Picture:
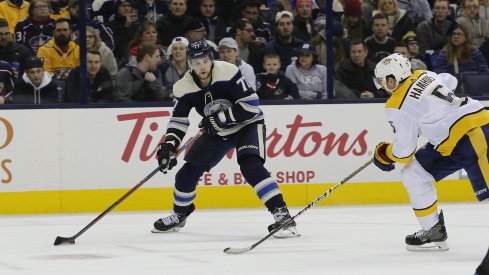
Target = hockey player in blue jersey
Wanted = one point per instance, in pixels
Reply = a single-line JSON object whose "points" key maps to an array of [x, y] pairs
{"points": [[231, 119]]}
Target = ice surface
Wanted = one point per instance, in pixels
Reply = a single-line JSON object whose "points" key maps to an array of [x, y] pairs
{"points": [[335, 240]]}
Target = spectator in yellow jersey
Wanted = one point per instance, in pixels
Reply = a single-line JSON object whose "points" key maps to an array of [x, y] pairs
{"points": [[13, 11], [60, 54]]}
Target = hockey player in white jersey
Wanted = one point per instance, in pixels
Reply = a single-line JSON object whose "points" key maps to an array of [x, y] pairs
{"points": [[232, 118], [422, 103]]}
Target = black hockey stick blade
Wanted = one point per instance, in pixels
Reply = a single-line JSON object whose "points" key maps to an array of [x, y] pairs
{"points": [[62, 240]]}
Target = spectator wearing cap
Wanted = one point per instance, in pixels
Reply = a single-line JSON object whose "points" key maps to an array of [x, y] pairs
{"points": [[195, 30], [175, 23], [250, 10], [141, 81], [10, 52], [307, 74], [398, 21], [124, 25], [213, 23], [229, 52], [37, 28], [104, 32], [379, 44], [100, 87], [249, 50], [175, 67], [284, 43], [412, 44], [432, 35], [36, 86], [7, 80], [14, 11], [60, 54], [152, 10], [357, 72], [273, 84], [303, 24], [416, 64], [108, 59], [356, 27]]}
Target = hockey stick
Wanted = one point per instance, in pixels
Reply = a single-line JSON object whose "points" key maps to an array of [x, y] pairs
{"points": [[71, 240], [231, 250]]}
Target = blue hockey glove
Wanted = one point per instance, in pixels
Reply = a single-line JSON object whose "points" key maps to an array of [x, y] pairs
{"points": [[381, 160], [166, 155], [212, 124]]}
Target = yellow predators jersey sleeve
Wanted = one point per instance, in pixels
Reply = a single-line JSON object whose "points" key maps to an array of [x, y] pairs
{"points": [[423, 105]]}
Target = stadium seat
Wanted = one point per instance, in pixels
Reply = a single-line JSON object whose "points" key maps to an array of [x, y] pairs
{"points": [[475, 84]]}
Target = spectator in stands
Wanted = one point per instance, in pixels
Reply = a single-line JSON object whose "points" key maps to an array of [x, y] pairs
{"points": [[484, 9], [104, 32], [397, 20], [432, 35], [195, 30], [249, 49], [307, 74], [284, 43], [416, 64], [379, 44], [175, 23], [59, 9], [460, 56], [124, 26], [357, 72], [108, 59], [176, 66], [37, 28], [353, 22], [36, 86], [276, 6], [60, 54], [152, 10], [273, 84], [141, 81], [229, 52], [417, 10], [12, 53], [476, 25], [250, 10], [303, 29], [7, 80], [13, 11], [100, 87], [147, 33], [411, 40], [213, 23]]}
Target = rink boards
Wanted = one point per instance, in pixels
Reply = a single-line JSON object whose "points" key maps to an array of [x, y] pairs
{"points": [[77, 160]]}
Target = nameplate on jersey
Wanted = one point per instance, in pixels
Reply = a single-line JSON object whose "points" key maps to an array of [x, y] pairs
{"points": [[417, 90]]}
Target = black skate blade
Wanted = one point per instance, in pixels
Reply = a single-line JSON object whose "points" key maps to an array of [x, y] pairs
{"points": [[62, 240], [233, 251], [428, 247]]}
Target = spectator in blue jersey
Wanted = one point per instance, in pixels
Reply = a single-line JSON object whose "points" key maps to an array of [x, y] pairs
{"points": [[175, 67], [308, 74], [141, 81], [459, 56], [231, 119], [151, 10], [124, 25], [104, 32], [10, 52], [99, 89], [6, 82], [273, 84], [36, 86], [175, 23], [284, 43], [37, 29]]}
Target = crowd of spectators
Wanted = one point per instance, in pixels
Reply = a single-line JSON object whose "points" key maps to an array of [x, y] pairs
{"points": [[136, 49]]}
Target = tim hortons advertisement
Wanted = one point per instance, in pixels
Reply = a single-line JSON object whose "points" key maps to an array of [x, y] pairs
{"points": [[74, 149]]}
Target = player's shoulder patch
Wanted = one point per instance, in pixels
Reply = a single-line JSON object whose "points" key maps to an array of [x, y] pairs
{"points": [[185, 86], [223, 71]]}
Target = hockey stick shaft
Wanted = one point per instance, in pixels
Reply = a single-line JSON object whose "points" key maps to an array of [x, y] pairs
{"points": [[60, 240], [230, 250]]}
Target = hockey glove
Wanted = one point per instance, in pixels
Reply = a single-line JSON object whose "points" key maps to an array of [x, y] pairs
{"points": [[213, 124], [381, 160], [166, 155]]}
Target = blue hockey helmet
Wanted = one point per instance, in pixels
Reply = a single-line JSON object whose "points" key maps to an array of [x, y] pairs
{"points": [[199, 49]]}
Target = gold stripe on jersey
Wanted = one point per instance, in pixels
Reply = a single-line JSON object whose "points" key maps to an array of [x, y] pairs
{"points": [[478, 140], [460, 128], [390, 155], [397, 98], [426, 211]]}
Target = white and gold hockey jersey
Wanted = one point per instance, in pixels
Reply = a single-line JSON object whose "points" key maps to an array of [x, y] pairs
{"points": [[425, 105]]}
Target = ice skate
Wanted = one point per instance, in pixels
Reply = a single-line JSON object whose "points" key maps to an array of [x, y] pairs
{"points": [[429, 240], [172, 223], [281, 214]]}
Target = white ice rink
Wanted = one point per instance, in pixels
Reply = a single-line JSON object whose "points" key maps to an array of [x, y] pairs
{"points": [[335, 240]]}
